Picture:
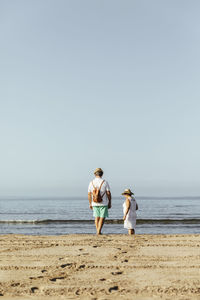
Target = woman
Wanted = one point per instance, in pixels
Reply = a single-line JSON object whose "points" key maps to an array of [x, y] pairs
{"points": [[129, 207]]}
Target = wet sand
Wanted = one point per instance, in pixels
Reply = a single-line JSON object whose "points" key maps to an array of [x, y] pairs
{"points": [[100, 267]]}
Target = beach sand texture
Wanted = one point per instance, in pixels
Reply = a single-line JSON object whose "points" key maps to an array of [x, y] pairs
{"points": [[100, 267]]}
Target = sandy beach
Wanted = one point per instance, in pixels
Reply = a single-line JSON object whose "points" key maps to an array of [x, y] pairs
{"points": [[100, 267]]}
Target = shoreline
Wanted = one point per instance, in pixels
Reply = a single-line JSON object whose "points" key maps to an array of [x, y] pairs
{"points": [[67, 235], [86, 266], [94, 234]]}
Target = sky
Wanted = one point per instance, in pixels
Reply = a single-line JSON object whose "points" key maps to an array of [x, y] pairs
{"points": [[111, 84]]}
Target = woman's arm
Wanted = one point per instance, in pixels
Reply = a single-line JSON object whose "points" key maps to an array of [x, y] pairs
{"points": [[136, 206], [128, 204]]}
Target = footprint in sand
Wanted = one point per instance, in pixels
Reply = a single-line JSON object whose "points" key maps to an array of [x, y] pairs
{"points": [[126, 260], [43, 271], [1, 294], [117, 273], [33, 289], [113, 288], [66, 265], [81, 267], [95, 246], [102, 279], [56, 278], [77, 292], [15, 284]]}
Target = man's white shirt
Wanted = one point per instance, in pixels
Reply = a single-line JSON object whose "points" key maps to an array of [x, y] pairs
{"points": [[105, 188]]}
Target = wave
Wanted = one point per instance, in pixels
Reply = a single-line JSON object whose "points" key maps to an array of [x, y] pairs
{"points": [[113, 221]]}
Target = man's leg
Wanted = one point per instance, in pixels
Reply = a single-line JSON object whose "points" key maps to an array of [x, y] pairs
{"points": [[103, 215], [100, 225], [97, 223]]}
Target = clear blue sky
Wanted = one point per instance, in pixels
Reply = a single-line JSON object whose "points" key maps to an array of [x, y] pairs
{"points": [[111, 84]]}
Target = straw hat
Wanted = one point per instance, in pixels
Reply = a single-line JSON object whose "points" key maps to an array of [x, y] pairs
{"points": [[98, 170], [127, 192]]}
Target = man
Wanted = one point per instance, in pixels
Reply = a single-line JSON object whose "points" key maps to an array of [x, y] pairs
{"points": [[100, 209]]}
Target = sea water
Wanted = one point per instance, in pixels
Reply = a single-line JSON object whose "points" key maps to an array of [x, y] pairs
{"points": [[57, 216]]}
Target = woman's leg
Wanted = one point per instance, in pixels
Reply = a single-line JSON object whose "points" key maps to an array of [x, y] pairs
{"points": [[131, 231]]}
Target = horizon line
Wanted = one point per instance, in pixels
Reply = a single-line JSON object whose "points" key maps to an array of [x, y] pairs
{"points": [[82, 197]]}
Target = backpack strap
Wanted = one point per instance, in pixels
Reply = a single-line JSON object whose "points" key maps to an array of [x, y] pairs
{"points": [[100, 189], [101, 184]]}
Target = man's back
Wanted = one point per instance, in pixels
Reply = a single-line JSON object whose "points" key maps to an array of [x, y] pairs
{"points": [[96, 182]]}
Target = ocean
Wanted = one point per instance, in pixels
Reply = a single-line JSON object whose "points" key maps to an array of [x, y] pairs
{"points": [[57, 216]]}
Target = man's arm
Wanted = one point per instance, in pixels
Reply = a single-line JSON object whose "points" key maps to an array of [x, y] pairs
{"points": [[108, 193], [90, 199]]}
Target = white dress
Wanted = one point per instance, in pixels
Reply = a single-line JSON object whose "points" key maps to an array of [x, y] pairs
{"points": [[130, 221]]}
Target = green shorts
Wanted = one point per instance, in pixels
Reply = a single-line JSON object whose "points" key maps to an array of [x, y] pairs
{"points": [[100, 211]]}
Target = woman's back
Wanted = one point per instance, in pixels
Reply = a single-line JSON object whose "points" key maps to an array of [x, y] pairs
{"points": [[132, 210]]}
